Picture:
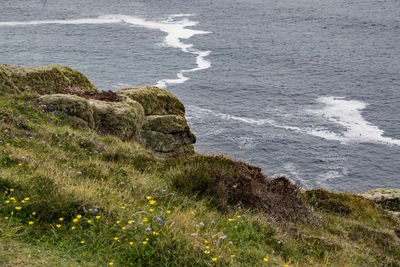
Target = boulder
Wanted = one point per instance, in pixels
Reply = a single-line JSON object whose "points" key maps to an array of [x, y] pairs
{"points": [[77, 108], [154, 100], [123, 119], [49, 79], [165, 129]]}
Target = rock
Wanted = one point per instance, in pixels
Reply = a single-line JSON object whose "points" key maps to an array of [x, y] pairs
{"points": [[388, 199], [148, 115], [167, 124], [123, 119], [165, 129], [77, 108], [49, 79], [165, 134], [154, 100]]}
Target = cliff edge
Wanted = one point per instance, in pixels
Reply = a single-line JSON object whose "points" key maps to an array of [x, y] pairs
{"points": [[148, 115]]}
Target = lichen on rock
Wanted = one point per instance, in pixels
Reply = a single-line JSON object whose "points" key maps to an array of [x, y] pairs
{"points": [[48, 79], [154, 100], [151, 116], [77, 108], [122, 119]]}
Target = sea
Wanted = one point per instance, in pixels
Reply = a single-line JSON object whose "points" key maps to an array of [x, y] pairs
{"points": [[309, 89]]}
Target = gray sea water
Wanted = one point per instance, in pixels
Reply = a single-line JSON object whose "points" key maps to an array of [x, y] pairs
{"points": [[309, 89]]}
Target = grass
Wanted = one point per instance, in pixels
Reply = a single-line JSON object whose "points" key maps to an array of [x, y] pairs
{"points": [[60, 186]]}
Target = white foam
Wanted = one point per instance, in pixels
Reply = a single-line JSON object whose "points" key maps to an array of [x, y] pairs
{"points": [[257, 122], [348, 114], [176, 31]]}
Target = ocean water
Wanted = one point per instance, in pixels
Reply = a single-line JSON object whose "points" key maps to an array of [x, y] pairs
{"points": [[308, 89]]}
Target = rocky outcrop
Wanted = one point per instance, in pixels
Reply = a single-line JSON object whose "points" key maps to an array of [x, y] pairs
{"points": [[123, 119], [388, 199], [165, 129], [148, 115], [42, 80]]}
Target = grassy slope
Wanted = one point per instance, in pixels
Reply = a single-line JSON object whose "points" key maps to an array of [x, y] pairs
{"points": [[53, 171]]}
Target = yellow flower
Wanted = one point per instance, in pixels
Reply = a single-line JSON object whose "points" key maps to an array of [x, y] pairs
{"points": [[7, 201], [12, 198], [235, 227], [61, 219], [207, 247], [18, 208], [130, 222], [131, 243], [148, 197], [233, 255], [205, 241], [123, 207], [12, 190], [34, 213], [97, 217], [230, 220], [89, 221], [151, 210], [27, 198], [8, 144], [285, 265], [265, 259], [58, 225], [207, 252], [23, 201], [145, 220], [147, 239], [144, 242], [214, 259], [152, 202], [118, 222], [73, 227], [123, 227], [110, 263], [82, 242], [168, 211], [116, 238], [78, 216], [30, 222], [20, 164], [75, 220], [238, 216], [155, 233], [6, 218]]}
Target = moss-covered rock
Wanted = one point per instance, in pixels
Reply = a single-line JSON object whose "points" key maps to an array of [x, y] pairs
{"points": [[168, 135], [123, 119], [77, 108], [49, 79], [167, 124], [149, 115], [165, 129], [118, 118], [154, 100]]}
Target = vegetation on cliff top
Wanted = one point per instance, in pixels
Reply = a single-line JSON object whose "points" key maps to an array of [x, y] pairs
{"points": [[148, 115], [72, 197]]}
